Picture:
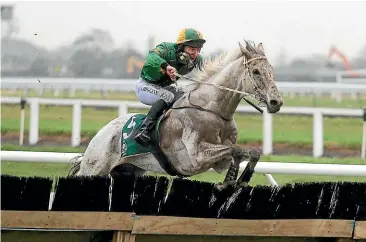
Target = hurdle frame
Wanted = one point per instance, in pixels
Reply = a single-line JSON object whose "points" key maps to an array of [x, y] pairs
{"points": [[126, 226]]}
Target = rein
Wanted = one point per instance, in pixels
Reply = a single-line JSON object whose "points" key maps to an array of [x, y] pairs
{"points": [[229, 89]]}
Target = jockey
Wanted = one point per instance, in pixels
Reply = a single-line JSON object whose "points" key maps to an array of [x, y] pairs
{"points": [[154, 87]]}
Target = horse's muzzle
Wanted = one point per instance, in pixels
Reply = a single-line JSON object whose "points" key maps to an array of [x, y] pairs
{"points": [[274, 105]]}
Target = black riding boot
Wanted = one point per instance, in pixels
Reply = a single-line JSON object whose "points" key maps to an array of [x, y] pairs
{"points": [[143, 136]]}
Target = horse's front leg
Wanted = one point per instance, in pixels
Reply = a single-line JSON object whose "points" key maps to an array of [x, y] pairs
{"points": [[253, 155], [231, 175], [239, 154]]}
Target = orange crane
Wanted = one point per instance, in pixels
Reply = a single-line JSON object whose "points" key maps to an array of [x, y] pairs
{"points": [[334, 51]]}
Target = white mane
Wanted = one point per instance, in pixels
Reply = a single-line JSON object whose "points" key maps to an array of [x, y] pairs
{"points": [[212, 66]]}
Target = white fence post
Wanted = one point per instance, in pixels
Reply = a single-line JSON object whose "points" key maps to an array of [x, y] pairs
{"points": [[363, 144], [267, 133], [41, 91], [34, 121], [122, 109], [56, 92], [318, 134], [72, 92], [76, 124]]}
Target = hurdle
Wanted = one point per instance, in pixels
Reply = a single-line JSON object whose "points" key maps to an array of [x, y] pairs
{"points": [[144, 209]]}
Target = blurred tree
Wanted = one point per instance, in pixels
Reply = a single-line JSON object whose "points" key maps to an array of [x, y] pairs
{"points": [[115, 61], [95, 39], [84, 63], [39, 67]]}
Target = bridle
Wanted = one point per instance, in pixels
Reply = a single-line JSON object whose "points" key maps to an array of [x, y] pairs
{"points": [[258, 95]]}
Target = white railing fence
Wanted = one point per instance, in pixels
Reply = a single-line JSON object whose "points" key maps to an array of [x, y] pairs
{"points": [[272, 167], [71, 85], [123, 106], [266, 168]]}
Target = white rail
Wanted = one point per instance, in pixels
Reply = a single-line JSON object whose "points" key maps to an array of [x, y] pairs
{"points": [[123, 106], [262, 166], [104, 85], [33, 156]]}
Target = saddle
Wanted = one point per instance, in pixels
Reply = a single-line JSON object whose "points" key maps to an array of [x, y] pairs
{"points": [[131, 147]]}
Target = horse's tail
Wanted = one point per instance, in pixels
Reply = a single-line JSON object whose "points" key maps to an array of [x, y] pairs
{"points": [[76, 161]]}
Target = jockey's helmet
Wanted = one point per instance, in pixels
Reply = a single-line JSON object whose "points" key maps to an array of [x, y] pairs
{"points": [[191, 37]]}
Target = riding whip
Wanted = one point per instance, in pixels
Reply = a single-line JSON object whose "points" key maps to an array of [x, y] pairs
{"points": [[224, 88]]}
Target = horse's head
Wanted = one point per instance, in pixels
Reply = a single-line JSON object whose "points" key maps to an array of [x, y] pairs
{"points": [[232, 75], [260, 77]]}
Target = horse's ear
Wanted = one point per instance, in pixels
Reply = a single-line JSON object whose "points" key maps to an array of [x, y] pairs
{"points": [[260, 48], [245, 52]]}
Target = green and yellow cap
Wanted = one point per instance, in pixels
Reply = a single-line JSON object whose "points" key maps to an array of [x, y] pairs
{"points": [[191, 37]]}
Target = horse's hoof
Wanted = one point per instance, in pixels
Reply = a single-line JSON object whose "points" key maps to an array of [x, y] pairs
{"points": [[182, 177], [241, 185], [255, 154], [222, 186]]}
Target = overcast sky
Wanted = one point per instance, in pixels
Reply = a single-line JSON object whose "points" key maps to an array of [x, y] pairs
{"points": [[302, 28]]}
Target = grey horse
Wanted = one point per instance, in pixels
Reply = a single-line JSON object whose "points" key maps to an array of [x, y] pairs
{"points": [[198, 131]]}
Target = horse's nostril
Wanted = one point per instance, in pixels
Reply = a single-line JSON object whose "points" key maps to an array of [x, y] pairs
{"points": [[273, 103]]}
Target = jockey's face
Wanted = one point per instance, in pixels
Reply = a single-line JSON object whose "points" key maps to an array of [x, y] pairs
{"points": [[192, 51]]}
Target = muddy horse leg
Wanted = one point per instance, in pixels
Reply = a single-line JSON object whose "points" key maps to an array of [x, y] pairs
{"points": [[239, 154], [246, 175]]}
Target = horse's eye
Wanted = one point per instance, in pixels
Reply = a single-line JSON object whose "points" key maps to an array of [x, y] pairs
{"points": [[256, 72]]}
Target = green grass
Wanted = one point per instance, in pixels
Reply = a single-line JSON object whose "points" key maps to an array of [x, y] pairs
{"points": [[60, 169], [295, 130]]}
